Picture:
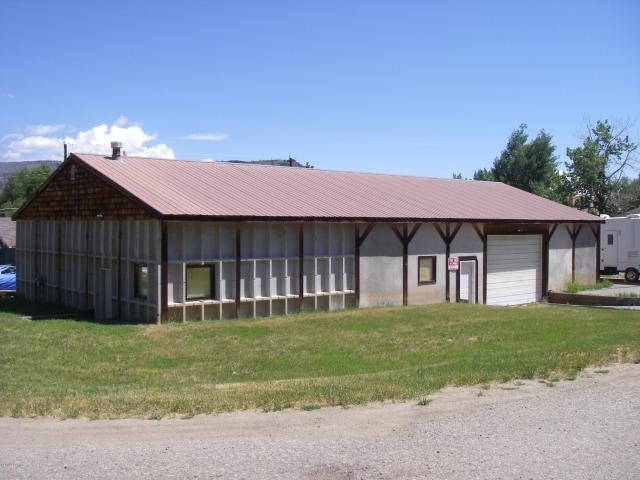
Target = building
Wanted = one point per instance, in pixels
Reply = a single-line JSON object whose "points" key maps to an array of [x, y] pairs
{"points": [[163, 240]]}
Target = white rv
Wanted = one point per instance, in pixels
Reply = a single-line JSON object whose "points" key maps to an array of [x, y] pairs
{"points": [[620, 246]]}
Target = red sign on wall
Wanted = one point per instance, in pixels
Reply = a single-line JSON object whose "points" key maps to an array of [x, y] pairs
{"points": [[453, 264]]}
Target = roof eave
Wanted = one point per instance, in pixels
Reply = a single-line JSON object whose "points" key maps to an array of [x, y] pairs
{"points": [[256, 218]]}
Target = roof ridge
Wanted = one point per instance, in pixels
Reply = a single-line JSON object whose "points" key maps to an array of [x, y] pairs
{"points": [[257, 165]]}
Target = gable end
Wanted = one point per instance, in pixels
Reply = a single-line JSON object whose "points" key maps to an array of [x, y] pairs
{"points": [[74, 191]]}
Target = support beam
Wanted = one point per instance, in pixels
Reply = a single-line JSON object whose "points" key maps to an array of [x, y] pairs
{"points": [[546, 240], [483, 238], [238, 242], [574, 231], [58, 262], [405, 238], [301, 266], [595, 229], [447, 237], [164, 273], [359, 240], [119, 270], [86, 267], [36, 263]]}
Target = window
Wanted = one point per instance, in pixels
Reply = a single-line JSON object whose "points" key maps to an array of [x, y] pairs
{"points": [[610, 239], [141, 280], [426, 270], [199, 282]]}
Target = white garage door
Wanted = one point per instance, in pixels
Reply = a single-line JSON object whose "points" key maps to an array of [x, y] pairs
{"points": [[514, 269]]}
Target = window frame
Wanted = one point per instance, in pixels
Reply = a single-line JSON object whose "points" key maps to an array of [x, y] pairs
{"points": [[136, 280], [212, 285], [434, 269]]}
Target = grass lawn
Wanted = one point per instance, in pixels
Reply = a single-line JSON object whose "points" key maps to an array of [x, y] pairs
{"points": [[68, 368]]}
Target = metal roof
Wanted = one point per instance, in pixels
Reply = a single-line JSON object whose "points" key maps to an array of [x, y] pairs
{"points": [[178, 188]]}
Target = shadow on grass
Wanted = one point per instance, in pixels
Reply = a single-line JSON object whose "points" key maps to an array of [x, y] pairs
{"points": [[17, 305]]}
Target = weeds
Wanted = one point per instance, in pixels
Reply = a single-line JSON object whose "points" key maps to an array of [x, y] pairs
{"points": [[574, 287]]}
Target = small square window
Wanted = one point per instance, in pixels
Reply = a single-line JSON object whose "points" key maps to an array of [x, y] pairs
{"points": [[141, 280], [426, 270], [199, 282], [610, 239]]}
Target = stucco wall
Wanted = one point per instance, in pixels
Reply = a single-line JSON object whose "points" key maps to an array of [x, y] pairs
{"points": [[381, 265], [381, 268], [468, 244], [427, 241], [586, 256], [559, 259]]}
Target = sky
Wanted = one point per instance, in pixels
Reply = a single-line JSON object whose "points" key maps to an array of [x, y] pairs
{"points": [[405, 87]]}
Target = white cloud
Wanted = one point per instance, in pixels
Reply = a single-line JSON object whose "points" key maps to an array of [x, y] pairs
{"points": [[98, 140], [121, 121], [43, 129], [207, 137]]}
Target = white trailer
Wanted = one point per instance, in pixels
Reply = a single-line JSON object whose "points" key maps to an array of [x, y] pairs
{"points": [[620, 246]]}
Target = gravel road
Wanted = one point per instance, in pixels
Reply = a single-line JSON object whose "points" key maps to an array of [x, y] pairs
{"points": [[583, 429]]}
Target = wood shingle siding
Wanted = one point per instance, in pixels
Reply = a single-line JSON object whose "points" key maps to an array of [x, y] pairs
{"points": [[75, 192]]}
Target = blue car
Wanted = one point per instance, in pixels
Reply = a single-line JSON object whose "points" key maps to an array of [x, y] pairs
{"points": [[7, 278]]}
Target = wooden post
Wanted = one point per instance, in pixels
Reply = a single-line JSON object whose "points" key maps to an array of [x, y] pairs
{"points": [[405, 238], [573, 233], [86, 267], [596, 233], [59, 261], [164, 272], [238, 269], [546, 239], [301, 266], [119, 270], [447, 237], [483, 238]]}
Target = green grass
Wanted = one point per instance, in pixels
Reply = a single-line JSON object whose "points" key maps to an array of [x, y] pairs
{"points": [[573, 287], [67, 368]]}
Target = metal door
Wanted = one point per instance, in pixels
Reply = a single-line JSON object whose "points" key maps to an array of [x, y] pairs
{"points": [[468, 281]]}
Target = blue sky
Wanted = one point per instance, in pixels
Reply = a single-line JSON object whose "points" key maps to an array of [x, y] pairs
{"points": [[407, 87]]}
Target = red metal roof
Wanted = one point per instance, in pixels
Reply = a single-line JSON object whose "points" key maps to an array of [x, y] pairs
{"points": [[217, 189]]}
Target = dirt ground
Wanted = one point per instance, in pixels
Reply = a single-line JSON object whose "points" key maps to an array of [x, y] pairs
{"points": [[587, 428]]}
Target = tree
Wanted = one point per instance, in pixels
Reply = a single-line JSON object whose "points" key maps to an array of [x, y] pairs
{"points": [[596, 170], [529, 166], [21, 185], [626, 196]]}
